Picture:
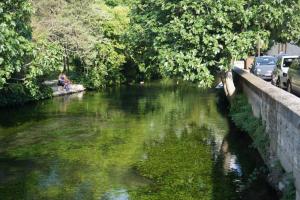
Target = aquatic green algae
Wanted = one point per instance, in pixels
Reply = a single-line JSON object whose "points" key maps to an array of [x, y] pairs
{"points": [[179, 167], [138, 142]]}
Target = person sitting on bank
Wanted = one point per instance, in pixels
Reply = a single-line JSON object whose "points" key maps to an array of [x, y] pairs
{"points": [[64, 81]]}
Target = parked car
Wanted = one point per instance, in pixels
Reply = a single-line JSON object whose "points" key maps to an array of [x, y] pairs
{"points": [[263, 67], [293, 78], [279, 74]]}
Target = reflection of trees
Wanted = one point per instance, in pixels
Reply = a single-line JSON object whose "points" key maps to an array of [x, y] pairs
{"points": [[91, 155], [181, 108], [234, 164], [86, 148], [38, 111], [227, 181]]}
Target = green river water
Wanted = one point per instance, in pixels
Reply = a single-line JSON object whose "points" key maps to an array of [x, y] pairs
{"points": [[154, 142]]}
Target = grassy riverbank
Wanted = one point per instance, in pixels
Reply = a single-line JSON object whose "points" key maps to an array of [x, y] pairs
{"points": [[242, 116]]}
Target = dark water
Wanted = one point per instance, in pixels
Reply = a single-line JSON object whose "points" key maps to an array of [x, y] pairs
{"points": [[141, 142]]}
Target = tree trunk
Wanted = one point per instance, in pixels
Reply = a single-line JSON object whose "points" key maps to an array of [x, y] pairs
{"points": [[68, 66], [65, 59], [65, 63], [285, 48], [258, 48], [229, 88]]}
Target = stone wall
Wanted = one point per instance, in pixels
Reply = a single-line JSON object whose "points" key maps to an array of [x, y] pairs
{"points": [[280, 111]]}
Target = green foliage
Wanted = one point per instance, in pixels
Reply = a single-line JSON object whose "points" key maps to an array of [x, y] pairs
{"points": [[20, 58], [46, 58], [86, 34], [14, 35], [241, 114], [89, 33], [106, 67], [17, 94], [112, 2], [183, 39], [14, 94], [189, 39], [285, 18]]}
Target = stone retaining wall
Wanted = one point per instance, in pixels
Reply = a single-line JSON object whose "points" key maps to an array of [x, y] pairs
{"points": [[280, 111]]}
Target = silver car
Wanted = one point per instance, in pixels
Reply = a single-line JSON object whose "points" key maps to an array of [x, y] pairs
{"points": [[263, 67], [293, 78]]}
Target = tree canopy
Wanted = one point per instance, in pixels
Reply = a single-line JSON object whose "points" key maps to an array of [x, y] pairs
{"points": [[89, 32], [14, 35], [191, 39], [40, 38], [101, 42], [20, 58]]}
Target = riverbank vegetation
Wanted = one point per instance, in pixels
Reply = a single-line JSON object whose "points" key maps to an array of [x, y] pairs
{"points": [[193, 40], [242, 116], [101, 43], [43, 37]]}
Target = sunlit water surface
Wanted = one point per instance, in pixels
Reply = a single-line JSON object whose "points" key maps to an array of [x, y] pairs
{"points": [[140, 142]]}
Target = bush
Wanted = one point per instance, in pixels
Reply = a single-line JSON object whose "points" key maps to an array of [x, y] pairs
{"points": [[16, 94], [112, 3]]}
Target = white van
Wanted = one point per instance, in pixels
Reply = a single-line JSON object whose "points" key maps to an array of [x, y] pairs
{"points": [[280, 73]]}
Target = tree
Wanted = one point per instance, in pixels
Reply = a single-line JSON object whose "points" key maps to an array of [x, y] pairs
{"points": [[46, 58], [193, 39], [15, 33], [38, 38], [20, 57], [89, 33], [285, 26]]}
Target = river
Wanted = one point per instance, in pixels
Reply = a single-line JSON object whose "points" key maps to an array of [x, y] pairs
{"points": [[156, 141]]}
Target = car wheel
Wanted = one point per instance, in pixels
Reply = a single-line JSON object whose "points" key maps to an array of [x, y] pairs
{"points": [[289, 87]]}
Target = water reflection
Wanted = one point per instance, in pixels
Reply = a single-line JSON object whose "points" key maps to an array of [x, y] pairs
{"points": [[230, 162], [65, 101], [143, 142], [118, 194]]}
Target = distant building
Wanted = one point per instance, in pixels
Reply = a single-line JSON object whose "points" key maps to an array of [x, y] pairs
{"points": [[289, 49]]}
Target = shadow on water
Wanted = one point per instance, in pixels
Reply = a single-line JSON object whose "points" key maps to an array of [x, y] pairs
{"points": [[222, 102], [37, 111], [130, 99], [240, 166], [143, 99], [239, 162], [13, 172]]}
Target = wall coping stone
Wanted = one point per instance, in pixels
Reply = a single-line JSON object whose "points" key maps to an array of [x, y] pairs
{"points": [[284, 98]]}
